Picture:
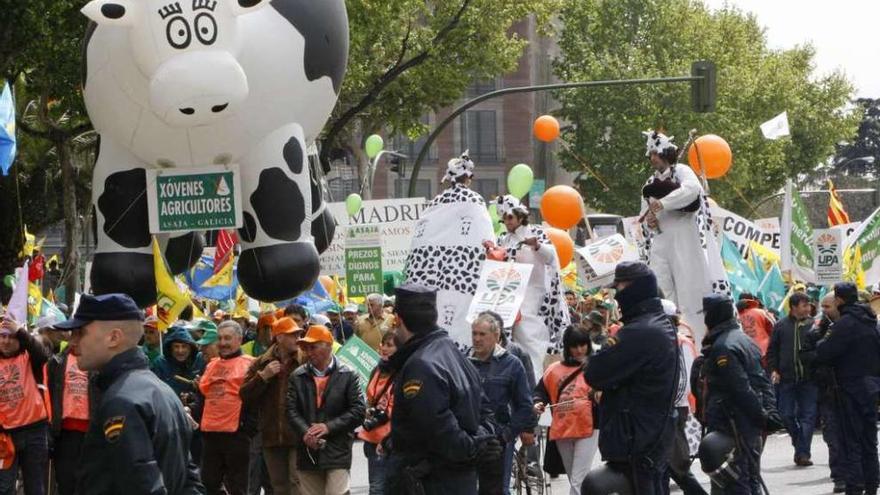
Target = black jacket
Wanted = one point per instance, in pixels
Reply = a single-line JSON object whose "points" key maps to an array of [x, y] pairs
{"points": [[439, 408], [788, 339], [342, 410], [729, 381], [852, 346], [139, 436], [55, 369], [636, 372]]}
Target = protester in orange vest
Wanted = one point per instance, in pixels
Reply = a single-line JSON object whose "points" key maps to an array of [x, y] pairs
{"points": [[756, 323], [564, 390], [377, 424], [23, 413], [226, 426], [265, 388], [71, 393]]}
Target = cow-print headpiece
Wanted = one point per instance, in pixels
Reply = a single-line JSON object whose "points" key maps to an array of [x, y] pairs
{"points": [[459, 167], [658, 142], [507, 205]]}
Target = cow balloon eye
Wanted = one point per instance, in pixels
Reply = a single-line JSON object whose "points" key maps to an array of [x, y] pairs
{"points": [[178, 33], [206, 28]]}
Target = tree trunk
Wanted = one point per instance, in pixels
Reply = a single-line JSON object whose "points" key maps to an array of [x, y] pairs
{"points": [[71, 221]]}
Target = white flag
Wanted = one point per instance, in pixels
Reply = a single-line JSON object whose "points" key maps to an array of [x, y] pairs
{"points": [[17, 308], [776, 127]]}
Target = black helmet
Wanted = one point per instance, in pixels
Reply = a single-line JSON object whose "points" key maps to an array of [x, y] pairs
{"points": [[716, 454], [605, 480]]}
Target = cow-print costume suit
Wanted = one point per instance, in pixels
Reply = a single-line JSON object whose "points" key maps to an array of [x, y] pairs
{"points": [[553, 307]]}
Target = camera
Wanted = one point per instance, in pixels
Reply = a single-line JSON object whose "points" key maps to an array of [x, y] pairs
{"points": [[376, 417]]}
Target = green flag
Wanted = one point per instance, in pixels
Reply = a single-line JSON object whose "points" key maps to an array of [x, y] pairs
{"points": [[797, 237]]}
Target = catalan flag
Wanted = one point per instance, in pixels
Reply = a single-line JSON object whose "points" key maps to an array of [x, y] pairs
{"points": [[836, 214]]}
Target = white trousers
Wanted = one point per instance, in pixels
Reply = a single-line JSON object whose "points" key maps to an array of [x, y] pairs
{"points": [[577, 457]]}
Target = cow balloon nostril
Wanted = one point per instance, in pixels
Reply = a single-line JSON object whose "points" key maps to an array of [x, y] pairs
{"points": [[187, 111], [219, 108]]}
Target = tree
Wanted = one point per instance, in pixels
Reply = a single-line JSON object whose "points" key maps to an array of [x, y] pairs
{"points": [[622, 39], [410, 57], [43, 60], [852, 158]]}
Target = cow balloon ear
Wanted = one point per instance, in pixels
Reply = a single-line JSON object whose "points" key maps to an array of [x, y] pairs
{"points": [[112, 12], [241, 7]]}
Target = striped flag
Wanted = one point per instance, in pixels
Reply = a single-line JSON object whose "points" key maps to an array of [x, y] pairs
{"points": [[836, 214], [226, 240]]}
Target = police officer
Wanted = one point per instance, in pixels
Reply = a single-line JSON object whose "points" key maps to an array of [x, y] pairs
{"points": [[739, 397], [138, 436], [440, 428], [636, 373], [852, 348]]}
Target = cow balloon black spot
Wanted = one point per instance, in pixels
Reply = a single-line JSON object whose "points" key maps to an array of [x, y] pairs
{"points": [[279, 205], [124, 206]]}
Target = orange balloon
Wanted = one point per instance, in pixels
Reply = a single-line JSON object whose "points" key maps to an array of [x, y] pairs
{"points": [[562, 207], [546, 128], [714, 156], [563, 244]]}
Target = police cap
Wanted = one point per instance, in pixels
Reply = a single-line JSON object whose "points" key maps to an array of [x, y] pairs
{"points": [[106, 307]]}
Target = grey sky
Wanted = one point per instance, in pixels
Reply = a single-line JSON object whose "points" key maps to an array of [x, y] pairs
{"points": [[844, 33]]}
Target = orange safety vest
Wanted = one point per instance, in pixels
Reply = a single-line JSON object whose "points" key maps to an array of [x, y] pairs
{"points": [[386, 402], [75, 401], [21, 402], [220, 385], [573, 418]]}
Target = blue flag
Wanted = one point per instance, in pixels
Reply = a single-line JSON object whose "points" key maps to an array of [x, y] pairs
{"points": [[772, 290], [7, 130], [741, 277], [201, 272]]}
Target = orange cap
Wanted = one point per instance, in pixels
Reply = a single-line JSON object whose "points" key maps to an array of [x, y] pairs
{"points": [[317, 333], [284, 325], [266, 319]]}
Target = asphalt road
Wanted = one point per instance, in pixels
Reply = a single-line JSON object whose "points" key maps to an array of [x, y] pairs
{"points": [[778, 469]]}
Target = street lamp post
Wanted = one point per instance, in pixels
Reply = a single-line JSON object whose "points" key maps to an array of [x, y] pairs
{"points": [[367, 184]]}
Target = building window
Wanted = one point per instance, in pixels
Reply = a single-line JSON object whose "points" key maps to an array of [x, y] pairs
{"points": [[488, 188], [481, 87], [411, 148], [478, 134], [423, 188], [340, 188]]}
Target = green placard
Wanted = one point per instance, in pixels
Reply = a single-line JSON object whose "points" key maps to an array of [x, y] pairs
{"points": [[363, 261], [801, 233], [195, 199], [360, 357]]}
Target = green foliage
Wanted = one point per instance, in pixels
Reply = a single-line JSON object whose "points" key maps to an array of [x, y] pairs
{"points": [[625, 39], [410, 57]]}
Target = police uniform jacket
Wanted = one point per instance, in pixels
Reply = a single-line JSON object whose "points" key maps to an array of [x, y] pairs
{"points": [[438, 404], [852, 346], [635, 371], [139, 436], [736, 387]]}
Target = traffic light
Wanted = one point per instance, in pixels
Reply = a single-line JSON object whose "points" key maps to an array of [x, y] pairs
{"points": [[398, 165], [703, 91]]}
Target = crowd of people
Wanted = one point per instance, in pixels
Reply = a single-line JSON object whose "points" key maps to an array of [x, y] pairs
{"points": [[106, 402]]}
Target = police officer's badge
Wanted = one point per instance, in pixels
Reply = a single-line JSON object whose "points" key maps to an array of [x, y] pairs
{"points": [[721, 361], [412, 388], [113, 428]]}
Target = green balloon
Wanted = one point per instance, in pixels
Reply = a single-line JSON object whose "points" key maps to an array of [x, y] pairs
{"points": [[496, 219], [374, 145], [9, 281], [519, 180], [353, 204]]}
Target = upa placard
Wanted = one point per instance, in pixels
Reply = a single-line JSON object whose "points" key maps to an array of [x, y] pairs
{"points": [[828, 255], [203, 198]]}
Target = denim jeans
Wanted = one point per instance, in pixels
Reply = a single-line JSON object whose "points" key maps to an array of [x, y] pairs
{"points": [[377, 467], [32, 457], [798, 406]]}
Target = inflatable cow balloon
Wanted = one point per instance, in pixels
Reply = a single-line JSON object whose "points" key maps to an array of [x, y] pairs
{"points": [[202, 82]]}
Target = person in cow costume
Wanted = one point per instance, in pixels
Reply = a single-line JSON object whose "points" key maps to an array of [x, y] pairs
{"points": [[681, 246], [212, 82], [446, 253], [544, 313]]}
